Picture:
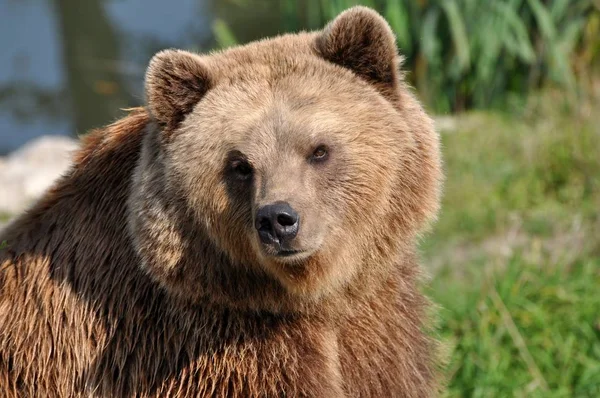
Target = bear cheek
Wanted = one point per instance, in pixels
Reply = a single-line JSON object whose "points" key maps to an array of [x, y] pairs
{"points": [[318, 229]]}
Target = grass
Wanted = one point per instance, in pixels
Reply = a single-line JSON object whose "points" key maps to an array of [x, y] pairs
{"points": [[528, 327], [516, 254]]}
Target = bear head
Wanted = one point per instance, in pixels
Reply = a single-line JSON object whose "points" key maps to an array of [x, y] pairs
{"points": [[285, 172]]}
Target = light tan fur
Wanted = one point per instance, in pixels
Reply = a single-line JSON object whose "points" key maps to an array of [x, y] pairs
{"points": [[140, 273]]}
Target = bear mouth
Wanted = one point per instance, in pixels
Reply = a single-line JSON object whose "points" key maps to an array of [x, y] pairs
{"points": [[287, 253]]}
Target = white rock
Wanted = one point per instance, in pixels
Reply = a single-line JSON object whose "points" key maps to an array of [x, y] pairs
{"points": [[445, 124], [28, 172]]}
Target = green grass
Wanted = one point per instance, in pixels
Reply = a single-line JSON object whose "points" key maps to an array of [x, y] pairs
{"points": [[515, 255], [530, 327]]}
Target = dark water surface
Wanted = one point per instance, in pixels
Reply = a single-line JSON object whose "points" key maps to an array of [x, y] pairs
{"points": [[70, 65]]}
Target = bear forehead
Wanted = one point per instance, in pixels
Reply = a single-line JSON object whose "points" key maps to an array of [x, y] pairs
{"points": [[282, 77], [268, 58], [267, 113], [290, 63], [281, 92]]}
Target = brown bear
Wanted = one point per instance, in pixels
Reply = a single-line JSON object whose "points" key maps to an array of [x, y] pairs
{"points": [[250, 233]]}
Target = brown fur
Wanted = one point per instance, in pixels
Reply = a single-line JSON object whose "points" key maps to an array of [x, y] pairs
{"points": [[140, 273]]}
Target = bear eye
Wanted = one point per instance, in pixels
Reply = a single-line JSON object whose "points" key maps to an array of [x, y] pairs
{"points": [[320, 154], [242, 169]]}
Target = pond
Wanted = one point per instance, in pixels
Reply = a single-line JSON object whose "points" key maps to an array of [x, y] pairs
{"points": [[71, 65]]}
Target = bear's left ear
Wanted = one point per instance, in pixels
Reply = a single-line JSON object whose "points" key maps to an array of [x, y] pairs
{"points": [[360, 39], [175, 82]]}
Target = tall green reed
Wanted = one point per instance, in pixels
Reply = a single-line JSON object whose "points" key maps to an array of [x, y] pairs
{"points": [[464, 54]]}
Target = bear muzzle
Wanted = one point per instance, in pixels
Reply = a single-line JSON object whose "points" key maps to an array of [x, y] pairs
{"points": [[277, 225]]}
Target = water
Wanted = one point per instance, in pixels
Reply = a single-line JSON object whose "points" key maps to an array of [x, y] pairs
{"points": [[70, 65]]}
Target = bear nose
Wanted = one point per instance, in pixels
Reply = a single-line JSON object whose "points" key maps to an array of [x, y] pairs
{"points": [[277, 222]]}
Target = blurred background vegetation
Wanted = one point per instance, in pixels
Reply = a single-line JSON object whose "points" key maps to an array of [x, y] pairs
{"points": [[461, 54], [514, 260]]}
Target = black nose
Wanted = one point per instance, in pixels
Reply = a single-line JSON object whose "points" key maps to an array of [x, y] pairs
{"points": [[277, 222]]}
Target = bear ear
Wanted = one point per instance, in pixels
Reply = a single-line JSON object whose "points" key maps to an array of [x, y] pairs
{"points": [[360, 39], [175, 81]]}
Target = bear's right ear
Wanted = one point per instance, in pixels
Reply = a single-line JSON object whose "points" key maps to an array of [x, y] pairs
{"points": [[175, 81]]}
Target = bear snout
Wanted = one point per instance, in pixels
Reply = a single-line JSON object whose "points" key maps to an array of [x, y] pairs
{"points": [[277, 224]]}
